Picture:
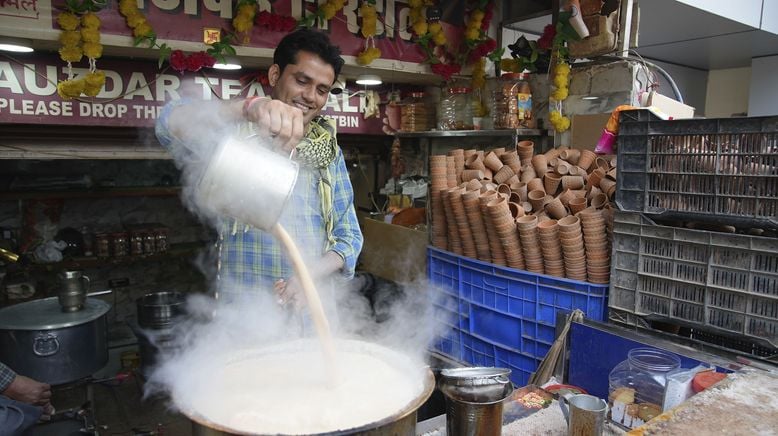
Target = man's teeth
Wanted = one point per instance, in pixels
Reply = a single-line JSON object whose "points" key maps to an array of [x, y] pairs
{"points": [[302, 107]]}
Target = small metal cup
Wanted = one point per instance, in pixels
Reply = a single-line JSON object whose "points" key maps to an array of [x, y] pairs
{"points": [[73, 289], [247, 182]]}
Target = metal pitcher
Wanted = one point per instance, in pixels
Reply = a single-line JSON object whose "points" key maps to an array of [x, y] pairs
{"points": [[72, 291], [248, 182], [474, 399], [586, 416]]}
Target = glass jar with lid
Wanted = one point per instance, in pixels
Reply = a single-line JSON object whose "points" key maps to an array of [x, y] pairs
{"points": [[456, 110], [636, 386], [512, 102], [120, 244], [416, 114]]}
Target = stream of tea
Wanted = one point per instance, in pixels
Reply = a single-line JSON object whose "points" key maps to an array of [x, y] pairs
{"points": [[315, 307]]}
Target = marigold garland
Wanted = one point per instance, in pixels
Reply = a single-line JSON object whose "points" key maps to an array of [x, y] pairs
{"points": [[243, 21], [80, 37], [368, 30]]}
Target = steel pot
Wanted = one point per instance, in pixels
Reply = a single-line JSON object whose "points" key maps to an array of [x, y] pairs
{"points": [[398, 424], [157, 310], [39, 340]]}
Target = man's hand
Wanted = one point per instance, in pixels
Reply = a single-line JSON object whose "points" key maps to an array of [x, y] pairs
{"points": [[290, 291], [27, 390], [278, 121]]}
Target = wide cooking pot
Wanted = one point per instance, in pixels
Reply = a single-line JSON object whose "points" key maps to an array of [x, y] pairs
{"points": [[40, 341], [398, 424]]}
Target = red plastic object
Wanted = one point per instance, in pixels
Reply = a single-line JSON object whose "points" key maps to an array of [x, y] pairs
{"points": [[704, 380]]}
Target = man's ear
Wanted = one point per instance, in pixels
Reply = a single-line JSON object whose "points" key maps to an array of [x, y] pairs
{"points": [[273, 73]]}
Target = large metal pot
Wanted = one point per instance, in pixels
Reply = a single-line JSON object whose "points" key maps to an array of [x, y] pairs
{"points": [[39, 340], [399, 424]]}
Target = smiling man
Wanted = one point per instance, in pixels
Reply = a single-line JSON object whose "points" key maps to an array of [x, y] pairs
{"points": [[320, 215]]}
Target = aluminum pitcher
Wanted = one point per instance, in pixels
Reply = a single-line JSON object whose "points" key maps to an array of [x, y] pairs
{"points": [[248, 182]]}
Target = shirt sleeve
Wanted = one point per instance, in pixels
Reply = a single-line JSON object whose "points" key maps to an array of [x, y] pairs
{"points": [[346, 231], [7, 376]]}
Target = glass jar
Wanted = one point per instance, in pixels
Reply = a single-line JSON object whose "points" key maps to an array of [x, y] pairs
{"points": [[456, 111], [102, 245], [161, 236], [149, 243], [136, 243], [636, 386], [120, 244], [512, 102], [416, 114]]}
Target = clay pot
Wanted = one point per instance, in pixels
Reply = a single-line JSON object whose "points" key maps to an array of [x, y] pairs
{"points": [[527, 173], [473, 185], [514, 179], [474, 162], [602, 163], [566, 196], [593, 191], [470, 152], [503, 174], [552, 153], [572, 182], [537, 199], [556, 209], [499, 151], [571, 156], [562, 168], [516, 210], [526, 150], [540, 164], [469, 175], [504, 189], [599, 200], [586, 159]]}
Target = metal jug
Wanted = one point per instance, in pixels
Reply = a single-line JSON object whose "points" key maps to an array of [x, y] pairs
{"points": [[248, 182], [474, 399], [72, 290], [586, 416]]}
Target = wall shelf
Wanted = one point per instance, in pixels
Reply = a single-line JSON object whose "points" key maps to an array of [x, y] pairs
{"points": [[151, 191], [472, 133], [175, 251]]}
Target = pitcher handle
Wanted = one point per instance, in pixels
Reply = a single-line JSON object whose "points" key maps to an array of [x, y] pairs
{"points": [[563, 400], [256, 135], [88, 283]]}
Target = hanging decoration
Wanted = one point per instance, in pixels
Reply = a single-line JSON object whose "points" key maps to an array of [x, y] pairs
{"points": [[476, 45], [369, 26], [275, 22], [243, 22], [80, 37]]}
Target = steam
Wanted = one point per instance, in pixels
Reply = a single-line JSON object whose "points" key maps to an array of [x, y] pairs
{"points": [[400, 318]]}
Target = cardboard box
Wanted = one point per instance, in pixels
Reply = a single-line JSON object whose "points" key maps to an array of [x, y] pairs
{"points": [[585, 130], [393, 252], [673, 108]]}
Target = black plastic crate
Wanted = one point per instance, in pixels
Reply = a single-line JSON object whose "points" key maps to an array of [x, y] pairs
{"points": [[722, 170], [720, 282]]}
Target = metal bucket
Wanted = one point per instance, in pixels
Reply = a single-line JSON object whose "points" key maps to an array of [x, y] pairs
{"points": [[247, 182], [402, 423], [73, 288], [474, 399]]}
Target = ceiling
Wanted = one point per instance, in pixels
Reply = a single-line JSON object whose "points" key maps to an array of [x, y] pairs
{"points": [[677, 33]]}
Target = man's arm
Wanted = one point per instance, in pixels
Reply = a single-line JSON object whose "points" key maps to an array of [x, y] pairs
{"points": [[23, 389], [346, 231]]}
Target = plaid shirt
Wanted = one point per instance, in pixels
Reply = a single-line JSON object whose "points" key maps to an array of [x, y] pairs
{"points": [[249, 257], [7, 376]]}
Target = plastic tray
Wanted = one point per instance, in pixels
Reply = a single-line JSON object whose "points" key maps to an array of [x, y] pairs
{"points": [[512, 310], [699, 169], [717, 281]]}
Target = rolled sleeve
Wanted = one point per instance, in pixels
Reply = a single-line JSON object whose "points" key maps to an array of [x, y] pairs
{"points": [[7, 376], [346, 231]]}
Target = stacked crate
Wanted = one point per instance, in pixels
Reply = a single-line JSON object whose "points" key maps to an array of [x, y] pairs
{"points": [[717, 172]]}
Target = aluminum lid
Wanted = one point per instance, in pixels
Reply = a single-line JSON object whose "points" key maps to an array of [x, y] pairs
{"points": [[476, 375], [46, 314]]}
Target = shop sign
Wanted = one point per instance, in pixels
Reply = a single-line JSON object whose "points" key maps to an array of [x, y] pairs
{"points": [[135, 93]]}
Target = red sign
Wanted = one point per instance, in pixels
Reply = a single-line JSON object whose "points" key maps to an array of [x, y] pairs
{"points": [[134, 94]]}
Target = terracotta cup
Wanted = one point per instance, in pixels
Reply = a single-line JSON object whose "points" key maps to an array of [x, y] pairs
{"points": [[535, 184], [468, 175], [586, 159], [503, 174], [576, 205], [527, 173], [566, 196], [504, 190], [493, 162], [551, 182], [571, 156], [470, 152], [540, 164], [552, 153], [474, 162], [556, 209], [562, 168], [572, 182], [473, 185], [537, 199], [599, 200]]}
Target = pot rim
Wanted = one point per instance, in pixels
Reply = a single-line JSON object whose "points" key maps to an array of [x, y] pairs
{"points": [[412, 407], [46, 314]]}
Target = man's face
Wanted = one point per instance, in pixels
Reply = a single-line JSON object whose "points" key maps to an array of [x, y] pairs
{"points": [[304, 85]]}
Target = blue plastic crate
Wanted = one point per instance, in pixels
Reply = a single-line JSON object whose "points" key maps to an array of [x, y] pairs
{"points": [[449, 343], [511, 308], [479, 352]]}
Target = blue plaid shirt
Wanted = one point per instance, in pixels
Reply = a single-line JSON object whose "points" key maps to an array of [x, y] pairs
{"points": [[250, 257]]}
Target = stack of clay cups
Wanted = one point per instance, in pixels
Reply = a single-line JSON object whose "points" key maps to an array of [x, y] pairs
{"points": [[454, 241], [438, 183], [505, 227], [554, 264], [530, 242], [525, 149], [495, 246], [474, 217], [462, 225], [596, 243], [571, 238], [459, 162]]}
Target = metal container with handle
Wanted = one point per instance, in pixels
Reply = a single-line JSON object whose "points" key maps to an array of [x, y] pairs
{"points": [[474, 399], [40, 341], [72, 292]]}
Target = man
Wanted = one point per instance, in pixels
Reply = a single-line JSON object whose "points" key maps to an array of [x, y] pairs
{"points": [[23, 401], [320, 214]]}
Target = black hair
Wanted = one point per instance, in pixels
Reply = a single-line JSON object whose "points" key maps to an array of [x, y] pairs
{"points": [[309, 40]]}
